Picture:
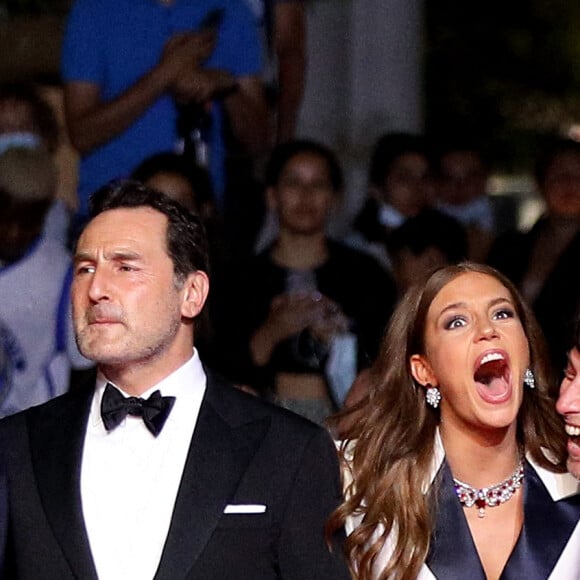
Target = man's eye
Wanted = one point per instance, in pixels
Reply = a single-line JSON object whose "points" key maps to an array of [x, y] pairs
{"points": [[85, 270]]}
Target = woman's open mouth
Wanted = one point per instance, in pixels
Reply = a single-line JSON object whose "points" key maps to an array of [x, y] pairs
{"points": [[492, 377]]}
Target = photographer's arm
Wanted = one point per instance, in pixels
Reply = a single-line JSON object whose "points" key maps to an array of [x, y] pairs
{"points": [[93, 122]]}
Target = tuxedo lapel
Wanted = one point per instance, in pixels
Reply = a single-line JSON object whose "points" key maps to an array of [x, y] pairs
{"points": [[452, 553], [223, 444], [548, 525], [56, 442]]}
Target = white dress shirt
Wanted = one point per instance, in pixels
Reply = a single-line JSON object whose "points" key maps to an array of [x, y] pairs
{"points": [[130, 478]]}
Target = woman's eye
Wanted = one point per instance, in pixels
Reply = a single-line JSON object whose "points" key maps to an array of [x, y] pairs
{"points": [[456, 322], [504, 313]]}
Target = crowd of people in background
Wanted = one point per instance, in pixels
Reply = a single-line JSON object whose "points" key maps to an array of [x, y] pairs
{"points": [[199, 101]]}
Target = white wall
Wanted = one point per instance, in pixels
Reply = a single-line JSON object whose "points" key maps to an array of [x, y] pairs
{"points": [[364, 79]]}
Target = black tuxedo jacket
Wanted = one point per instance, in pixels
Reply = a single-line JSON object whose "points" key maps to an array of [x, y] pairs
{"points": [[243, 451]]}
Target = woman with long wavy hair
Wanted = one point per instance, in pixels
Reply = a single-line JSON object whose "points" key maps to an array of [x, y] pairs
{"points": [[455, 465]]}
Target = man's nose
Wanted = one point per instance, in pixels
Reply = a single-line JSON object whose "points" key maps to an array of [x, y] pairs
{"points": [[569, 399], [99, 287]]}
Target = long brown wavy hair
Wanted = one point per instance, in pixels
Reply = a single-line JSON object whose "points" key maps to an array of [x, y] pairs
{"points": [[389, 449]]}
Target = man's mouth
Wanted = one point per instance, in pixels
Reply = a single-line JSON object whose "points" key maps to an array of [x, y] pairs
{"points": [[104, 314], [98, 320], [573, 432], [492, 377]]}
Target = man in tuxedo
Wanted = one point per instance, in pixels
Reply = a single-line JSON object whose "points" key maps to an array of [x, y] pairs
{"points": [[160, 470]]}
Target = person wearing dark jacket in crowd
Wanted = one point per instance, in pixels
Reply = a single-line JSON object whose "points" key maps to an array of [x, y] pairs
{"points": [[541, 261], [316, 309]]}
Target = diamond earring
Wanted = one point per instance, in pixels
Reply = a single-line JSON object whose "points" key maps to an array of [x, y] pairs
{"points": [[529, 379], [433, 396]]}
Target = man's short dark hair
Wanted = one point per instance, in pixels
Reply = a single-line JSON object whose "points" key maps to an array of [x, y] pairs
{"points": [[553, 147], [186, 240], [285, 152], [431, 229], [169, 162], [388, 149], [460, 144]]}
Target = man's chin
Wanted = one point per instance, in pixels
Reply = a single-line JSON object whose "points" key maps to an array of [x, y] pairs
{"points": [[100, 354]]}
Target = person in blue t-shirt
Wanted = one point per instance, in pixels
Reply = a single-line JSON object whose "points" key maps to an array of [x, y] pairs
{"points": [[129, 65]]}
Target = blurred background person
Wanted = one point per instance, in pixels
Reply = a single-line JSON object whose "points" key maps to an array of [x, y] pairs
{"points": [[542, 261], [308, 312], [190, 72], [569, 403], [189, 184], [28, 120], [424, 243], [458, 448], [282, 24], [180, 179], [399, 188], [461, 178], [37, 347]]}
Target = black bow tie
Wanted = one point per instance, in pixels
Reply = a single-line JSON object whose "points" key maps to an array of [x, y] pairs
{"points": [[154, 410]]}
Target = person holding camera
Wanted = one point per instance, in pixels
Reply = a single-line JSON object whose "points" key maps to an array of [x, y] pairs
{"points": [[128, 67], [315, 310]]}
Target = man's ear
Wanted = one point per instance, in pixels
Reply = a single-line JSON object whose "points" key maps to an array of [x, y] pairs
{"points": [[422, 371], [195, 290]]}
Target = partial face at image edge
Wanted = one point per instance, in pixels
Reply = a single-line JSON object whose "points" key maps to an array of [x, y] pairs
{"points": [[568, 406]]}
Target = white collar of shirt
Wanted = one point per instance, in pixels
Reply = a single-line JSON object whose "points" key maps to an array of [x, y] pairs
{"points": [[131, 478], [477, 212], [389, 217]]}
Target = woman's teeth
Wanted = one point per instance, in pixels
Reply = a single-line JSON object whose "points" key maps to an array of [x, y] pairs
{"points": [[491, 357]]}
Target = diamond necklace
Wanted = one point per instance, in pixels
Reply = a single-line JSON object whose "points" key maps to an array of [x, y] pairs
{"points": [[491, 496]]}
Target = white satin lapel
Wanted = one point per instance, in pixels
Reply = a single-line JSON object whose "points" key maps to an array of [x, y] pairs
{"points": [[559, 485], [426, 574], [568, 566]]}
